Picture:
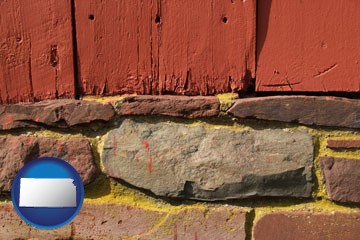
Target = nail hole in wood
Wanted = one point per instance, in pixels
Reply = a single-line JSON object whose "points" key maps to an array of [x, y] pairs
{"points": [[91, 17], [225, 19], [157, 20]]}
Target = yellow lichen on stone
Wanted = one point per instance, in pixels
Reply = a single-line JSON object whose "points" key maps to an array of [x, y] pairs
{"points": [[105, 99], [320, 150], [104, 191], [226, 100]]}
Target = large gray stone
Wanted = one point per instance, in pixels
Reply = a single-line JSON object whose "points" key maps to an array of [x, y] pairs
{"points": [[179, 160]]}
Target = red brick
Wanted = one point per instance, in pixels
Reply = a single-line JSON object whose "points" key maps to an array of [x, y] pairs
{"points": [[16, 151], [308, 226], [308, 46], [343, 144], [110, 221], [342, 178], [176, 106], [308, 110], [117, 221], [13, 227], [225, 223]]}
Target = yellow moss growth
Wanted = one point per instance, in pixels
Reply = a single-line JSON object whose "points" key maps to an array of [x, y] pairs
{"points": [[104, 99], [320, 140]]}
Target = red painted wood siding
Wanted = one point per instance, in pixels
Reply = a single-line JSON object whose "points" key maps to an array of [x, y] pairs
{"points": [[186, 47], [165, 46], [115, 42], [36, 54], [206, 47], [307, 45]]}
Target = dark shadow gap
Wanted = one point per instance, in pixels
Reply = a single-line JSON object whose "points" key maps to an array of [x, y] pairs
{"points": [[77, 89]]}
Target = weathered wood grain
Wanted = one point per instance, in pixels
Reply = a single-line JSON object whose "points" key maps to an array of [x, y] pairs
{"points": [[206, 47], [36, 54], [308, 46], [165, 47], [114, 40]]}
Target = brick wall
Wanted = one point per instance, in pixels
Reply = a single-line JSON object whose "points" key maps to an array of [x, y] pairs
{"points": [[176, 167]]}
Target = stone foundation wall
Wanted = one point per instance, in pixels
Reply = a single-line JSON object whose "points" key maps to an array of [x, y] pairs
{"points": [[176, 167]]}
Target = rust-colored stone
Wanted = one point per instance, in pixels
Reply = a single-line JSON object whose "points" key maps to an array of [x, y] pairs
{"points": [[15, 152], [225, 223], [182, 47], [58, 113], [36, 50], [119, 221], [308, 46], [308, 226], [13, 227], [342, 178], [176, 106], [343, 144], [324, 111], [115, 221]]}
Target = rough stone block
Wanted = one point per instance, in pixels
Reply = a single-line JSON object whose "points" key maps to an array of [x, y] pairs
{"points": [[176, 106], [342, 178], [178, 160], [324, 111], [343, 144], [16, 151], [58, 113]]}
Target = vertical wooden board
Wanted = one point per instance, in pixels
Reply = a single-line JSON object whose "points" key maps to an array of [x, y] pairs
{"points": [[305, 45], [36, 54], [206, 46], [114, 46]]}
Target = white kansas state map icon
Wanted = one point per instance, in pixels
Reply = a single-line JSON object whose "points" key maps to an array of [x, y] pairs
{"points": [[47, 192]]}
